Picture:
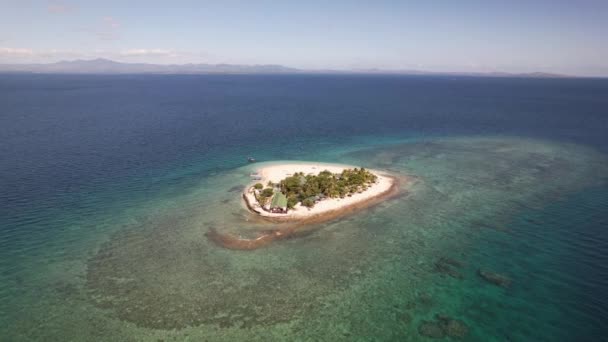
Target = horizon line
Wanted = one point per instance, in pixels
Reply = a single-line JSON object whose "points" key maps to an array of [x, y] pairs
{"points": [[284, 70]]}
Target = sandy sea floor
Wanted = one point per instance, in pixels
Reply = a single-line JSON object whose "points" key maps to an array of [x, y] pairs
{"points": [[381, 274]]}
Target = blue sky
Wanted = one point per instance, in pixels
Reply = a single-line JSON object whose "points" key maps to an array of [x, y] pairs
{"points": [[515, 36]]}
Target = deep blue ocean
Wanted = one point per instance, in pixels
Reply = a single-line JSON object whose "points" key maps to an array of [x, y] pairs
{"points": [[87, 162]]}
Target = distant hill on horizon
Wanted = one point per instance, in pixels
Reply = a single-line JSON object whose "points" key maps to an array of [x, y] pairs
{"points": [[106, 66]]}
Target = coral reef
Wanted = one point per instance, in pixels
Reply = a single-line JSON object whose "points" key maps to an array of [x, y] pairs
{"points": [[495, 278], [443, 326]]}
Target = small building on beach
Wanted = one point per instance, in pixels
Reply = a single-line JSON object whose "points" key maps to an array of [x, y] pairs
{"points": [[278, 203]]}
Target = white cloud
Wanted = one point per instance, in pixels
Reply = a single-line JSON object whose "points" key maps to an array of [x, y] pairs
{"points": [[23, 55], [15, 52], [144, 55], [148, 53]]}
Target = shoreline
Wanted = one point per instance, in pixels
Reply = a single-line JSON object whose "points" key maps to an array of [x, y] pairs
{"points": [[304, 225], [275, 173]]}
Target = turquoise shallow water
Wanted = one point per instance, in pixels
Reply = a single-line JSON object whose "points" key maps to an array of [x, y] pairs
{"points": [[494, 203]]}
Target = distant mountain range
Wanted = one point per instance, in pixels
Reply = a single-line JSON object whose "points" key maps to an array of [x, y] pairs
{"points": [[464, 73], [105, 66]]}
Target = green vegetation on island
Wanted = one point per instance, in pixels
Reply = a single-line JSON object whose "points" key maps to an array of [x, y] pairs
{"points": [[264, 195], [308, 189]]}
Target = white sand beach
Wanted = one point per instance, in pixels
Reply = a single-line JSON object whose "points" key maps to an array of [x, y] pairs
{"points": [[277, 172]]}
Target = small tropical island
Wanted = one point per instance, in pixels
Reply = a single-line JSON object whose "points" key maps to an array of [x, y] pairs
{"points": [[301, 194], [303, 190]]}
